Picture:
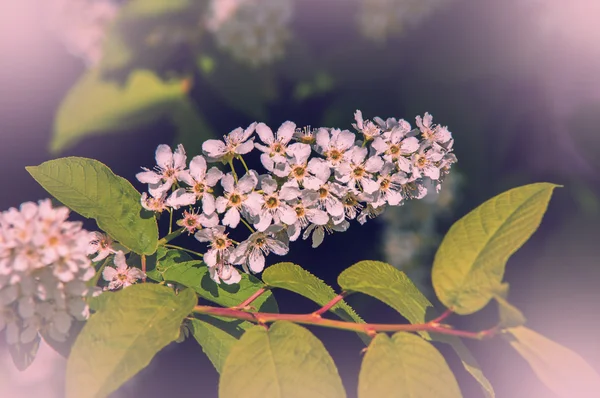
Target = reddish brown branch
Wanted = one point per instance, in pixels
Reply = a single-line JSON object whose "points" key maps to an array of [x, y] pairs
{"points": [[330, 304], [250, 299]]}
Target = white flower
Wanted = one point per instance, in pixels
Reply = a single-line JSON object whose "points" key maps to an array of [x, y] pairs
{"points": [[224, 272], [306, 213], [276, 147], [274, 206], [358, 171], [305, 135], [237, 142], [395, 146], [424, 163], [432, 133], [369, 212], [334, 145], [44, 266], [169, 169], [251, 252], [154, 204], [327, 196], [366, 127], [220, 245], [238, 198], [201, 183], [318, 231], [389, 187], [193, 221], [122, 276], [101, 245]]}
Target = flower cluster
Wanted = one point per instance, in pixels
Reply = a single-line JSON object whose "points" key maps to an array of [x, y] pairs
{"points": [[82, 25], [44, 267], [253, 31], [379, 19], [316, 181]]}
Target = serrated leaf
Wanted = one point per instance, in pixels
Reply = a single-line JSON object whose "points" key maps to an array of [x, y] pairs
{"points": [[217, 336], [123, 336], [470, 262], [95, 106], [23, 355], [91, 189], [563, 371], [393, 287], [405, 366], [292, 277], [285, 361], [197, 277], [387, 284]]}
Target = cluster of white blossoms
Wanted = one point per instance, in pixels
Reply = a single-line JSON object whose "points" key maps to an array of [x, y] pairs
{"points": [[253, 31], [379, 19], [316, 181], [81, 25], [44, 267]]}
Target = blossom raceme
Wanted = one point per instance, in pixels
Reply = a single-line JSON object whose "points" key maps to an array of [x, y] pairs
{"points": [[44, 267], [314, 182]]}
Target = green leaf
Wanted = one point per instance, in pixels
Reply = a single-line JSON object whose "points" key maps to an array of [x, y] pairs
{"points": [[24, 354], [510, 316], [95, 106], [470, 262], [197, 277], [123, 337], [292, 277], [216, 336], [91, 189], [158, 263], [154, 8], [563, 371], [394, 288], [192, 128], [284, 361], [469, 362], [405, 366], [387, 284]]}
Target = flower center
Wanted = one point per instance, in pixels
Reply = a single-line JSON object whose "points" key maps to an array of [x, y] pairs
{"points": [[220, 243], [335, 155], [300, 212], [278, 148], [272, 202], [422, 161], [299, 171], [199, 189], [394, 149], [260, 242], [169, 173], [358, 172], [385, 184], [323, 192], [235, 199]]}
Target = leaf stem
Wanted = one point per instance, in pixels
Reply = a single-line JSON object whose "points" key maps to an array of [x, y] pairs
{"points": [[250, 299], [330, 304], [143, 258], [184, 249], [367, 328], [170, 221], [170, 237], [442, 317]]}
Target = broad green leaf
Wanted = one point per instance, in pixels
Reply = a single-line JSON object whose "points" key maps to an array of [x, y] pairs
{"points": [[23, 355], [510, 316], [563, 371], [96, 106], [292, 277], [158, 263], [122, 338], [216, 336], [197, 277], [386, 283], [405, 366], [91, 189], [470, 262], [285, 361], [469, 362], [155, 8], [394, 288]]}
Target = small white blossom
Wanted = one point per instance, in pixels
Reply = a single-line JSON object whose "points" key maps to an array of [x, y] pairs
{"points": [[170, 167], [238, 199], [334, 145], [318, 231], [101, 245], [358, 171], [251, 252], [151, 203], [237, 142], [432, 133], [123, 275], [275, 148], [368, 129], [274, 204], [200, 183]]}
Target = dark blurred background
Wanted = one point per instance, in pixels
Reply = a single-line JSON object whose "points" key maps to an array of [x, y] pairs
{"points": [[516, 81]]}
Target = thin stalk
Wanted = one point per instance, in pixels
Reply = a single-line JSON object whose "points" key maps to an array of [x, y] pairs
{"points": [[244, 163], [235, 177], [184, 249], [170, 237], [247, 225]]}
